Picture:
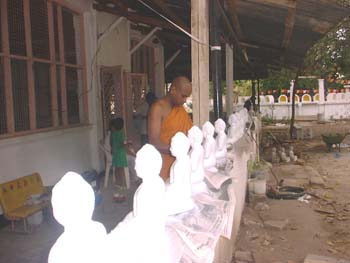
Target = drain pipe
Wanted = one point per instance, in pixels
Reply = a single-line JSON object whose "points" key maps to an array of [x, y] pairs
{"points": [[215, 55]]}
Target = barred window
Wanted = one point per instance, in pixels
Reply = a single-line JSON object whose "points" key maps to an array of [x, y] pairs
{"points": [[42, 70]]}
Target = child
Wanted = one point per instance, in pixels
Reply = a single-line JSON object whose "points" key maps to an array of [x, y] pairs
{"points": [[119, 160]]}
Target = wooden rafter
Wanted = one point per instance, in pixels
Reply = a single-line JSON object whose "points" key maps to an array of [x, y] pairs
{"points": [[136, 18], [167, 12], [232, 10], [289, 25], [281, 3]]}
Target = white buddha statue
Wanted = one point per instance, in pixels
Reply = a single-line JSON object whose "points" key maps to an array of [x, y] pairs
{"points": [[83, 240], [150, 195], [141, 236], [178, 192], [209, 146], [221, 143], [234, 132], [195, 136]]}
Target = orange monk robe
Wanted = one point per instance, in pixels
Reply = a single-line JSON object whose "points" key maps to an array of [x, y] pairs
{"points": [[177, 120]]}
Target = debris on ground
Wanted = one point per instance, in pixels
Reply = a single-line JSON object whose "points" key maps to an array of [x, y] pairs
{"points": [[276, 224], [244, 256], [322, 259]]}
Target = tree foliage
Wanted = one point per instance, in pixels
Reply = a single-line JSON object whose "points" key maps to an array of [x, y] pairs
{"points": [[330, 57]]}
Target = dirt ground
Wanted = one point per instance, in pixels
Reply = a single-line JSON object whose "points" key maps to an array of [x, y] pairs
{"points": [[318, 226]]}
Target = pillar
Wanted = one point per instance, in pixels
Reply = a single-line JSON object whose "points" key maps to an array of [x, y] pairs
{"points": [[200, 61], [229, 80]]}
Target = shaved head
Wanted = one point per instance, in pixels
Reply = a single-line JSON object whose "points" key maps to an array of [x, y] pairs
{"points": [[180, 90], [180, 82]]}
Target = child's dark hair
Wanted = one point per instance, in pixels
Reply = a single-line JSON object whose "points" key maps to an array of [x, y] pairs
{"points": [[117, 123]]}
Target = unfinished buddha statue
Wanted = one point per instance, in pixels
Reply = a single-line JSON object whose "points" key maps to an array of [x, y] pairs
{"points": [[178, 192], [83, 239]]}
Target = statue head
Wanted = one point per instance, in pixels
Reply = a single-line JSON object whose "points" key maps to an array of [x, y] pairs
{"points": [[180, 145], [73, 200], [195, 135], [220, 125], [148, 162], [208, 129]]}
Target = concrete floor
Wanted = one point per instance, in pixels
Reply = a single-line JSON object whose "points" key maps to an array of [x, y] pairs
{"points": [[35, 247]]}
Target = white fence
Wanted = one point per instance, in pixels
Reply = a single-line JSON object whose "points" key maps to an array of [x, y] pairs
{"points": [[337, 106]]}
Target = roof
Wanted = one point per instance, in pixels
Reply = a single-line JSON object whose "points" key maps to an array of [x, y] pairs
{"points": [[273, 33]]}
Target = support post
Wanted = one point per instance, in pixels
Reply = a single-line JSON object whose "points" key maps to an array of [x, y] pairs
{"points": [[229, 80], [215, 55], [321, 90], [200, 61], [258, 95]]}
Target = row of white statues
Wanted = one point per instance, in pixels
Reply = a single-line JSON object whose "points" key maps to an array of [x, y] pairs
{"points": [[141, 236]]}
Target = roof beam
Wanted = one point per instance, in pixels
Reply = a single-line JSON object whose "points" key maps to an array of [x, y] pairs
{"points": [[136, 18], [167, 12], [232, 10], [289, 25], [281, 3]]}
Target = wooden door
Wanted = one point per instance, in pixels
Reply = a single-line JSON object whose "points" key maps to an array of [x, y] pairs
{"points": [[112, 95]]}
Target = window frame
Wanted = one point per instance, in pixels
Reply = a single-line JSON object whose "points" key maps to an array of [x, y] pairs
{"points": [[6, 58]]}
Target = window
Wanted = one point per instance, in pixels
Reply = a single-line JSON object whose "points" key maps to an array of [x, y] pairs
{"points": [[42, 67]]}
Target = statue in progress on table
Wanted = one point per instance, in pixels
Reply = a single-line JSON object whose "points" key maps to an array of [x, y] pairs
{"points": [[195, 136], [209, 146], [178, 192], [221, 143]]}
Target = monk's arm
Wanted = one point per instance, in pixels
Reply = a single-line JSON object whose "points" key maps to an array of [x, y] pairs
{"points": [[154, 125]]}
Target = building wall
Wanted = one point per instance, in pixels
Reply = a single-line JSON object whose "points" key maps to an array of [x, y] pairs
{"points": [[114, 48], [54, 153]]}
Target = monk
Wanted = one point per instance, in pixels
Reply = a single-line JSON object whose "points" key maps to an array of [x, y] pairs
{"points": [[167, 116]]}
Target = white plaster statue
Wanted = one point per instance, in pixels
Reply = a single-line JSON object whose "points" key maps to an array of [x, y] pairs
{"points": [[274, 157], [195, 136], [83, 239], [141, 236], [209, 147], [178, 192], [233, 131], [150, 195], [221, 143], [292, 156]]}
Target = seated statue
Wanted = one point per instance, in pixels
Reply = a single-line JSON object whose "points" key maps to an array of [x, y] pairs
{"points": [[83, 239], [141, 236], [149, 196], [178, 192], [221, 143], [195, 136], [209, 146]]}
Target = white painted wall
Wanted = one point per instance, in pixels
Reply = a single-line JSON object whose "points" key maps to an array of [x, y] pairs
{"points": [[56, 152], [114, 49], [338, 108], [51, 154]]}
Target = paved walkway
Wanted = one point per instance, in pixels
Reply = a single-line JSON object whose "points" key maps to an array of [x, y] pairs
{"points": [[35, 247]]}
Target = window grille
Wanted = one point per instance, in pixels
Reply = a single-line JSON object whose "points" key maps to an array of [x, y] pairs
{"points": [[3, 125], [16, 27], [59, 97], [55, 24], [20, 94], [39, 28], [32, 98], [42, 95], [0, 34], [70, 27], [73, 95]]}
